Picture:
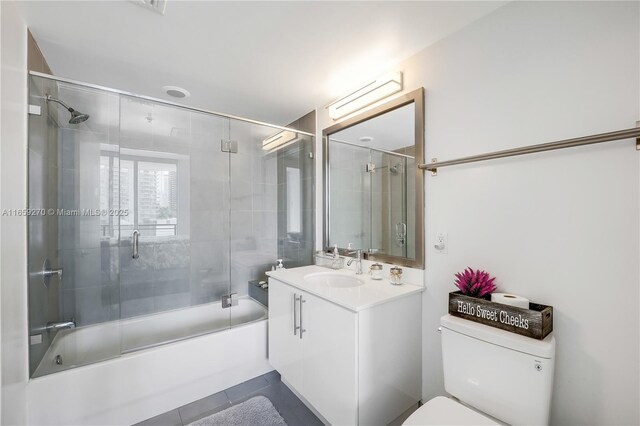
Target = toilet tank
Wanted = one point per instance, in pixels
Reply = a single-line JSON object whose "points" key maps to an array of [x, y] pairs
{"points": [[503, 374]]}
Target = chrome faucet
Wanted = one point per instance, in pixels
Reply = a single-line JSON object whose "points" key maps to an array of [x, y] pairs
{"points": [[358, 260], [60, 325]]}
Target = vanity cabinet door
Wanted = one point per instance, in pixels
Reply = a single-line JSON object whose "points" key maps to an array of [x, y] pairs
{"points": [[285, 348], [329, 359]]}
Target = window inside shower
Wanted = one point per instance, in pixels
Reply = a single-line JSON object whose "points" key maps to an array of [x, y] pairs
{"points": [[147, 188], [141, 177]]}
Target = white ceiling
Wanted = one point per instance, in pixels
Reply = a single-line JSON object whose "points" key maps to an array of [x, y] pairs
{"points": [[271, 61]]}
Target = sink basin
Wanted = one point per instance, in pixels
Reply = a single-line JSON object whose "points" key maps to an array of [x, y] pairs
{"points": [[333, 279]]}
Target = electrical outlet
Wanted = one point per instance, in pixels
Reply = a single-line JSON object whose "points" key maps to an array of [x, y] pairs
{"points": [[441, 243]]}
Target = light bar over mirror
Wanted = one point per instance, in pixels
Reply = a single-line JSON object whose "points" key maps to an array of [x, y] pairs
{"points": [[380, 88]]}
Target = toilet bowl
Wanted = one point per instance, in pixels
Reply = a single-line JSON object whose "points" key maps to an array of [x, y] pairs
{"points": [[497, 375]]}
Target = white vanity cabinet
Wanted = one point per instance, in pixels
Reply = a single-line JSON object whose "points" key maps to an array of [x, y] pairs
{"points": [[312, 345], [353, 367]]}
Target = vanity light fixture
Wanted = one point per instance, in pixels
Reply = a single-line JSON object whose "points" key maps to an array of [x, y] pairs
{"points": [[279, 140], [374, 91]]}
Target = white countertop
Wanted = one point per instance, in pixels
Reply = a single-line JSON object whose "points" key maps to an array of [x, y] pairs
{"points": [[371, 293]]}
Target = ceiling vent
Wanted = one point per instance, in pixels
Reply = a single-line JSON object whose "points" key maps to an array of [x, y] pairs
{"points": [[158, 6]]}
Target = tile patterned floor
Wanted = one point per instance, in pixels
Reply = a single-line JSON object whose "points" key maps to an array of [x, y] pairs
{"points": [[292, 410]]}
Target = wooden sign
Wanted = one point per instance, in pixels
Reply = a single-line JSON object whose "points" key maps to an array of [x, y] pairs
{"points": [[535, 322]]}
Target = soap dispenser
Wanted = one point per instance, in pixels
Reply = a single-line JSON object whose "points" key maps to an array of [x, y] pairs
{"points": [[336, 253], [280, 265]]}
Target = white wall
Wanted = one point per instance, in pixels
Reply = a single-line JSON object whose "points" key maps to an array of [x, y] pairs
{"points": [[13, 190], [560, 228]]}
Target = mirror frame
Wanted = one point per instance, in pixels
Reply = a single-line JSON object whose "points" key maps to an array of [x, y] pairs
{"points": [[415, 97]]}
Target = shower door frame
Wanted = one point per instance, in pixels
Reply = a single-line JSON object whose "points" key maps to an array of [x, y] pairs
{"points": [[165, 102]]}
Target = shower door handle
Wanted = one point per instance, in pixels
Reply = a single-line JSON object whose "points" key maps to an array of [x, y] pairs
{"points": [[136, 235], [295, 314]]}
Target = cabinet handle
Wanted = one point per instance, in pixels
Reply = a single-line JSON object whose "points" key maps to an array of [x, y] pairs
{"points": [[302, 330], [295, 317]]}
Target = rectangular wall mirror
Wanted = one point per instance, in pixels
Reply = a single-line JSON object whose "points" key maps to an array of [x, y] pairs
{"points": [[373, 193]]}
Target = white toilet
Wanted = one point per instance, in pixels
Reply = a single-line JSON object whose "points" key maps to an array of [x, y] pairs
{"points": [[496, 377]]}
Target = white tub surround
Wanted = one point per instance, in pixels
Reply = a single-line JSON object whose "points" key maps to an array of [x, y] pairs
{"points": [[353, 354], [144, 383], [370, 294], [95, 343]]}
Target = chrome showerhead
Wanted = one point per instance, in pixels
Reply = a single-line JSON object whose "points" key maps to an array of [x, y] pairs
{"points": [[76, 116]]}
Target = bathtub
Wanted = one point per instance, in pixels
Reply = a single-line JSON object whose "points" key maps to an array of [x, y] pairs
{"points": [[95, 343], [121, 372]]}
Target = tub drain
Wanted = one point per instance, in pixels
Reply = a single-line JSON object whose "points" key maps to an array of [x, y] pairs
{"points": [[58, 360]]}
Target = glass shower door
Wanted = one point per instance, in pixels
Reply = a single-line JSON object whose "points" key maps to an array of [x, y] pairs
{"points": [[72, 183], [174, 247]]}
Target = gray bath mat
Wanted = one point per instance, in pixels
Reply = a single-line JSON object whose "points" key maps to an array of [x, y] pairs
{"points": [[255, 411]]}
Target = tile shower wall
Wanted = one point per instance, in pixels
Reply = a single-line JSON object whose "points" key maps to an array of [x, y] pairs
{"points": [[90, 284], [295, 203], [88, 291], [271, 211], [88, 251], [296, 246], [253, 214]]}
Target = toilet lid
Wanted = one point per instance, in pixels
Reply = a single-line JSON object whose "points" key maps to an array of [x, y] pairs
{"points": [[444, 411]]}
